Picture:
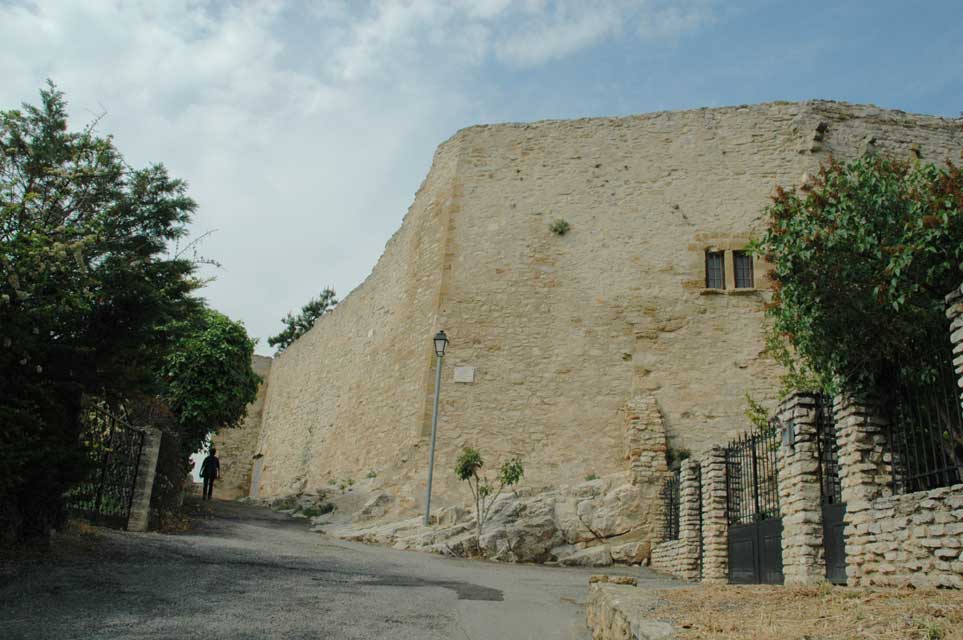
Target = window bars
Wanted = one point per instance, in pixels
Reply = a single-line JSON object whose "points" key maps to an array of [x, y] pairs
{"points": [[831, 490], [752, 489], [742, 263], [670, 507], [715, 270], [926, 430]]}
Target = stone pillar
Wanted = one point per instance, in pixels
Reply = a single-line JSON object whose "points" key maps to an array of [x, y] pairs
{"points": [[865, 471], [140, 505], [954, 311], [715, 526], [800, 505], [690, 519]]}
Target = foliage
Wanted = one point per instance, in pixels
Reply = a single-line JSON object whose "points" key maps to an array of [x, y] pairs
{"points": [[591, 476], [89, 293], [757, 414], [95, 300], [675, 457], [209, 380], [318, 510], [559, 227], [862, 257], [483, 491], [297, 326]]}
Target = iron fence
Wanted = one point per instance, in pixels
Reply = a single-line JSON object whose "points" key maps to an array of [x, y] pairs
{"points": [[670, 507], [752, 489], [113, 450], [926, 430], [831, 490]]}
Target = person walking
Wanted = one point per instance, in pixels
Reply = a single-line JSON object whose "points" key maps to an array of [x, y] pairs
{"points": [[210, 471]]}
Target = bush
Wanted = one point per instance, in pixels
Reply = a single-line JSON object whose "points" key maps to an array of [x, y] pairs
{"points": [[559, 227], [483, 491], [863, 255]]}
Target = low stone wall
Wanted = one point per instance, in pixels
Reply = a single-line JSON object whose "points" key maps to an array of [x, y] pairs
{"points": [[682, 558], [616, 609], [912, 539], [670, 557]]}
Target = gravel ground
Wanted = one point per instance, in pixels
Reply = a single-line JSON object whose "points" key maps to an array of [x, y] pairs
{"points": [[812, 613], [246, 572]]}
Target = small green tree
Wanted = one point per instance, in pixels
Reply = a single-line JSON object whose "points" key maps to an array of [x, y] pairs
{"points": [[483, 491], [296, 326]]}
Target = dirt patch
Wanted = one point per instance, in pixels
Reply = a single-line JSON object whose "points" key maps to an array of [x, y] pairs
{"points": [[812, 613]]}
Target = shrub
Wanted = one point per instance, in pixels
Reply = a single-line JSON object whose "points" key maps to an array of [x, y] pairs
{"points": [[483, 491], [559, 227]]}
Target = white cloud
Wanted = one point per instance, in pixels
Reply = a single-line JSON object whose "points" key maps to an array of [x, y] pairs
{"points": [[304, 129]]}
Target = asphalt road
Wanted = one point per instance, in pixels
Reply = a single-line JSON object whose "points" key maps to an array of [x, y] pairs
{"points": [[246, 572]]}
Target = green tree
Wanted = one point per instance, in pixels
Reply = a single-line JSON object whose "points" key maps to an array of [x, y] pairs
{"points": [[862, 257], [484, 491], [296, 326], [93, 297], [208, 378]]}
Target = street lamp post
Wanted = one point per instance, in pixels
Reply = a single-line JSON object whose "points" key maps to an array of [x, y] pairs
{"points": [[441, 343]]}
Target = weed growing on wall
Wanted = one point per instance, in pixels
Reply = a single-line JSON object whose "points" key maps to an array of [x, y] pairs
{"points": [[559, 227]]}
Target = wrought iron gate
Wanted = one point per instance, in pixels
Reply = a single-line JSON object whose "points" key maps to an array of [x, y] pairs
{"points": [[830, 489], [113, 450], [752, 506]]}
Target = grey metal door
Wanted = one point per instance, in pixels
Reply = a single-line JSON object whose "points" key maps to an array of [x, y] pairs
{"points": [[830, 488], [752, 506]]}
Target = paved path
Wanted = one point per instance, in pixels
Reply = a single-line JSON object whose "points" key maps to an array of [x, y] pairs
{"points": [[245, 572]]}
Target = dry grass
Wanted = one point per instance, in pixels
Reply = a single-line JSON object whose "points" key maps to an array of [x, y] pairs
{"points": [[813, 613]]}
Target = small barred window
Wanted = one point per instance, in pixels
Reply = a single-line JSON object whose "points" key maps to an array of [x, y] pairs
{"points": [[742, 262], [715, 270]]}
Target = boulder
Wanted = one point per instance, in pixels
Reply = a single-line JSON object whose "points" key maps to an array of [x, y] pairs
{"points": [[598, 556]]}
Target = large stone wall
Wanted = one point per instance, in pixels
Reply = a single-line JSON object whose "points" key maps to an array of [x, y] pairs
{"points": [[236, 447], [557, 335]]}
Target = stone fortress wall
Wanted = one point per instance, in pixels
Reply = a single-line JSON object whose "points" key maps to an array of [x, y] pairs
{"points": [[560, 336]]}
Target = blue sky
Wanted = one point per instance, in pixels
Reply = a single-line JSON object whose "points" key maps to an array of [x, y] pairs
{"points": [[305, 128]]}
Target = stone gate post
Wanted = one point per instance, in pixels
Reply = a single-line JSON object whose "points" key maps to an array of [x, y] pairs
{"points": [[715, 526], [865, 472], [140, 504], [690, 519], [803, 558]]}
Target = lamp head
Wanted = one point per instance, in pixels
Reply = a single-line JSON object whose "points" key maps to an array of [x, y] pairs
{"points": [[441, 343]]}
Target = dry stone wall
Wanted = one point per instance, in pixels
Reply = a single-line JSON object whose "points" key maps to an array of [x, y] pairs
{"points": [[683, 557], [553, 337]]}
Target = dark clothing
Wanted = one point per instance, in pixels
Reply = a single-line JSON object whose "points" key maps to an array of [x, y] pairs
{"points": [[211, 467], [210, 471]]}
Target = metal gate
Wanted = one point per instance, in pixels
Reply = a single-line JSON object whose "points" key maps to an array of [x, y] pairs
{"points": [[833, 507], [752, 507], [113, 450]]}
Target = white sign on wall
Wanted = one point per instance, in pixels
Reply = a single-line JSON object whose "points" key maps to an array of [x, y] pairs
{"points": [[465, 374]]}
